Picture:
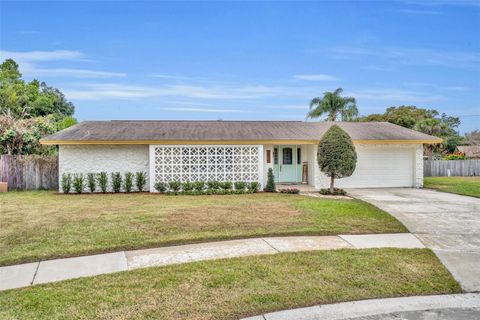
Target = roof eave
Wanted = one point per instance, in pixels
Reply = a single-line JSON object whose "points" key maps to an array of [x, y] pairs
{"points": [[225, 142]]}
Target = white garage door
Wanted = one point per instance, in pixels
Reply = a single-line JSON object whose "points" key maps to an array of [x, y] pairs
{"points": [[381, 166]]}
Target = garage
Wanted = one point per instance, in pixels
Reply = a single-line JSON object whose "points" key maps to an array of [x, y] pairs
{"points": [[382, 166]]}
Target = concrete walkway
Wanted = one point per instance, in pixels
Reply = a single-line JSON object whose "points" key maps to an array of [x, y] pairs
{"points": [[449, 224], [462, 306], [23, 275]]}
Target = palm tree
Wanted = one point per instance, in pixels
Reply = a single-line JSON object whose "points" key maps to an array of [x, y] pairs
{"points": [[334, 105]]}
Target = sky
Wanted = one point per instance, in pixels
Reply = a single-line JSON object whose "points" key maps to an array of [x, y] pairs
{"points": [[248, 60]]}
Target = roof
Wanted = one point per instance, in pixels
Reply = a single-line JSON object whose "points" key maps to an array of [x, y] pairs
{"points": [[470, 151], [151, 132]]}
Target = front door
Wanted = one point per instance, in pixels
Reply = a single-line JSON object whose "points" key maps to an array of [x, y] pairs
{"points": [[287, 163]]}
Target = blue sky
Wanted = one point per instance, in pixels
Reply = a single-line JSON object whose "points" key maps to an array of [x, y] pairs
{"points": [[248, 60]]}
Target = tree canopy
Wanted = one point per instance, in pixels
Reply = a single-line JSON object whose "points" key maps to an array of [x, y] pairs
{"points": [[21, 100], [428, 121], [336, 156], [333, 105], [29, 111]]}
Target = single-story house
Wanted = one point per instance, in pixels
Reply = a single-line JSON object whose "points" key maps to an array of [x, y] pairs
{"points": [[471, 152], [388, 155]]}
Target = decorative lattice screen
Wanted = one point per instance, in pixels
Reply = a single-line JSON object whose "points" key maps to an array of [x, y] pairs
{"points": [[206, 163]]}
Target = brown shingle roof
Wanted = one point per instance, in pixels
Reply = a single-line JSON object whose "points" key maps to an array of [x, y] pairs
{"points": [[470, 151], [157, 131]]}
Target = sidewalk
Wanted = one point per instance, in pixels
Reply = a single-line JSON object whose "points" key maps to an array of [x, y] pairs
{"points": [[23, 275], [463, 306]]}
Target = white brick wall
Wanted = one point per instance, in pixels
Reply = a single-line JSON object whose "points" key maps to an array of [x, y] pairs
{"points": [[109, 158], [418, 166]]}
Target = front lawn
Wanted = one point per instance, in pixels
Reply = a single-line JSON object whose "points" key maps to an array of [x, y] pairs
{"points": [[42, 225], [469, 186], [234, 288]]}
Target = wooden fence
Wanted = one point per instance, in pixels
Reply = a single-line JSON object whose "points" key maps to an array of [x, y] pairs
{"points": [[445, 168], [29, 172]]}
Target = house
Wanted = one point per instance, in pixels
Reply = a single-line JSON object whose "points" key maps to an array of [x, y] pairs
{"points": [[471, 152], [388, 155]]}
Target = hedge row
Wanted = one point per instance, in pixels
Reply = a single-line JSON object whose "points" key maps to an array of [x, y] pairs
{"points": [[99, 182]]}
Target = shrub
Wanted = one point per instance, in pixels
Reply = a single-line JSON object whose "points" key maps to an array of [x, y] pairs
{"points": [[270, 181], [253, 186], [455, 156], [175, 185], [66, 183], [199, 186], [78, 183], [290, 190], [140, 180], [213, 185], [226, 185], [160, 186], [188, 186], [336, 154], [102, 179], [91, 182], [116, 181], [336, 192], [240, 185], [128, 185]]}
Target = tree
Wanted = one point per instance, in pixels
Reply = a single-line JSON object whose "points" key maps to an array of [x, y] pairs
{"points": [[29, 111], [22, 136], [428, 121], [333, 105], [29, 100], [336, 156], [473, 138]]}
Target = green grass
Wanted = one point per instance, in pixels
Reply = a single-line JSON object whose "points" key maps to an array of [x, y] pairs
{"points": [[468, 186], [42, 225], [234, 288]]}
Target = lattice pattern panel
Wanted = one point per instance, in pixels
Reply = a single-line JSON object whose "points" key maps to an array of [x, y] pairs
{"points": [[206, 163]]}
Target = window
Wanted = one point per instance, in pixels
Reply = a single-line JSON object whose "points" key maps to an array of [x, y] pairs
{"points": [[299, 155], [275, 156], [287, 155], [269, 156]]}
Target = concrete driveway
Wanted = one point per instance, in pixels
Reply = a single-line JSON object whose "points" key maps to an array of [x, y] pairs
{"points": [[448, 224]]}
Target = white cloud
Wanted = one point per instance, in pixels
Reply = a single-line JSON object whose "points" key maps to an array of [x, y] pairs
{"points": [[207, 110], [420, 12], [33, 56], [458, 88], [119, 91], [315, 77], [29, 64], [393, 95], [76, 73], [172, 77], [412, 56]]}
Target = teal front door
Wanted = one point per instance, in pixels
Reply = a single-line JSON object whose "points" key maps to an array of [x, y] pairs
{"points": [[287, 164]]}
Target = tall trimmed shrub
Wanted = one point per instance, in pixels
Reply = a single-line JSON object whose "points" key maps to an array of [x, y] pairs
{"points": [[78, 183], [128, 184], [102, 179], [116, 181], [270, 181], [140, 180], [336, 155], [66, 182], [91, 182]]}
